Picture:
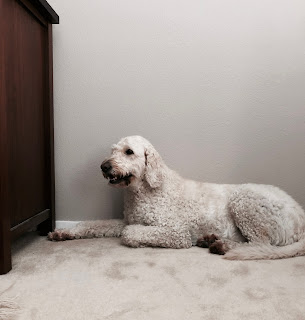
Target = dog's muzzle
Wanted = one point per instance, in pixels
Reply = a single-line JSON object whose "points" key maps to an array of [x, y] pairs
{"points": [[114, 178]]}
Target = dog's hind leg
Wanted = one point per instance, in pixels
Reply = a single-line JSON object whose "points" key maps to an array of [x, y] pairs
{"points": [[272, 224], [90, 229]]}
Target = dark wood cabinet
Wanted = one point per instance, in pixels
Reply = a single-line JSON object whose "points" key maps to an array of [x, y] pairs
{"points": [[26, 121]]}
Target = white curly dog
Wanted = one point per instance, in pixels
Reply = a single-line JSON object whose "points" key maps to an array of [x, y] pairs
{"points": [[161, 209]]}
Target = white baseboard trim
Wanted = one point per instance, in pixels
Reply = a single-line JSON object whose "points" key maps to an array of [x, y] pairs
{"points": [[65, 224]]}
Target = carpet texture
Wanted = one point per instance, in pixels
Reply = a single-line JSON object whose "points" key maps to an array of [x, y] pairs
{"points": [[100, 279]]}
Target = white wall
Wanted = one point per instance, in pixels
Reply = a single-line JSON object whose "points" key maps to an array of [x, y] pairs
{"points": [[217, 86]]}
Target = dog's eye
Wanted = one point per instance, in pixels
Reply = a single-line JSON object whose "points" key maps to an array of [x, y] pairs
{"points": [[129, 152]]}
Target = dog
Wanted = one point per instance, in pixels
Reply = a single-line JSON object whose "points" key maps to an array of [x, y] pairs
{"points": [[162, 209]]}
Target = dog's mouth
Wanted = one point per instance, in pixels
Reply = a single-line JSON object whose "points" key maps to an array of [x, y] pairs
{"points": [[114, 180]]}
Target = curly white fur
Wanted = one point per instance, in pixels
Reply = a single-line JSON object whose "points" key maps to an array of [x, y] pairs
{"points": [[161, 209]]}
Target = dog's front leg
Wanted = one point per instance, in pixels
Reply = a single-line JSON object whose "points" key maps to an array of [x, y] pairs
{"points": [[90, 229], [154, 236]]}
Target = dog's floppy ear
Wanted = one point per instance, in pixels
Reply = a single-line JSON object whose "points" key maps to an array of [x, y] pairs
{"points": [[154, 173]]}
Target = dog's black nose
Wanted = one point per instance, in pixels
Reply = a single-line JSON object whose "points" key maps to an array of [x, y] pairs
{"points": [[106, 166]]}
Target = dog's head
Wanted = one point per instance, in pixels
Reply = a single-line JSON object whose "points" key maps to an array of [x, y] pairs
{"points": [[133, 159]]}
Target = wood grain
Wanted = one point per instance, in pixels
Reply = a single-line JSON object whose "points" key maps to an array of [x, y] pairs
{"points": [[27, 143]]}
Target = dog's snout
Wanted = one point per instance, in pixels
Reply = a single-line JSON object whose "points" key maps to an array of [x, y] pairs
{"points": [[106, 167]]}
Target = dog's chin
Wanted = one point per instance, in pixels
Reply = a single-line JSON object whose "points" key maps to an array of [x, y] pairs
{"points": [[120, 181]]}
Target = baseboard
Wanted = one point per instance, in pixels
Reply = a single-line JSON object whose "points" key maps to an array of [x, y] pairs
{"points": [[65, 224]]}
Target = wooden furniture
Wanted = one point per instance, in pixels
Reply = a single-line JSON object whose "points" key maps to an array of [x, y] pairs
{"points": [[26, 121]]}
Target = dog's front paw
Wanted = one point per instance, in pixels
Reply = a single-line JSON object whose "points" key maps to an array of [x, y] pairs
{"points": [[60, 235], [130, 238], [131, 243]]}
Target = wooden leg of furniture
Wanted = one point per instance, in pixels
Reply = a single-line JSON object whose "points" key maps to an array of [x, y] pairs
{"points": [[47, 226], [5, 248]]}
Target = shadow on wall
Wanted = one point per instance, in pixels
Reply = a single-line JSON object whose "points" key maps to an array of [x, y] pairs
{"points": [[117, 205], [98, 199], [114, 195]]}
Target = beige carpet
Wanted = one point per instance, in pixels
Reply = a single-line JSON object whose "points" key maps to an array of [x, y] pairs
{"points": [[101, 279]]}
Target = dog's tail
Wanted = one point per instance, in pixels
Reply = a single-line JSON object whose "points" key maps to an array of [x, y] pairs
{"points": [[266, 252]]}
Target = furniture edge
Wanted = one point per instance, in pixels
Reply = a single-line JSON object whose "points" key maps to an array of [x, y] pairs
{"points": [[46, 10]]}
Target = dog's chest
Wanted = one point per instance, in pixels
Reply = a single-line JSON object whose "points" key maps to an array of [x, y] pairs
{"points": [[154, 209]]}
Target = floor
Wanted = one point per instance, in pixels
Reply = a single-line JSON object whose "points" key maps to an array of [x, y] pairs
{"points": [[101, 279]]}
